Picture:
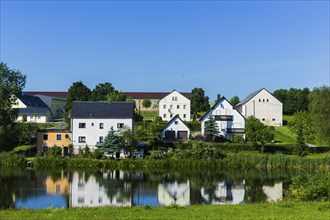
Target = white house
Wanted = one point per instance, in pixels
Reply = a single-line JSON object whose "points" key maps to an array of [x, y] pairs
{"points": [[174, 104], [91, 121], [262, 105], [175, 129], [31, 109], [230, 122]]}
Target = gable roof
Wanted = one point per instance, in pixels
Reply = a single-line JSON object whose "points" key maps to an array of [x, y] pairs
{"points": [[32, 101], [172, 120], [33, 111], [134, 95], [62, 95], [249, 97], [214, 106], [152, 95], [119, 110]]}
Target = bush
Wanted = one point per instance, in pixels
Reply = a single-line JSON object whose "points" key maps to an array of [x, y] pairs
{"points": [[54, 151], [310, 187], [9, 159], [238, 139]]}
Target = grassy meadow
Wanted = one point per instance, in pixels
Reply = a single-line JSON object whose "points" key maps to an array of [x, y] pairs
{"points": [[281, 210]]}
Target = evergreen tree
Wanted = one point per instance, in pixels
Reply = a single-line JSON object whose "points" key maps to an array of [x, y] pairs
{"points": [[111, 143], [211, 126]]}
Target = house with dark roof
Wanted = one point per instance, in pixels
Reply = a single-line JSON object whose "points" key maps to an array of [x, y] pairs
{"points": [[262, 105], [91, 122], [175, 129], [230, 122], [32, 109]]}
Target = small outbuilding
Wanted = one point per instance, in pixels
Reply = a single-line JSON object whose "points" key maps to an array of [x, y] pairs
{"points": [[175, 129]]}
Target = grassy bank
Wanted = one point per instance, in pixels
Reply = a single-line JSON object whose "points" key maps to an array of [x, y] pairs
{"points": [[282, 210]]}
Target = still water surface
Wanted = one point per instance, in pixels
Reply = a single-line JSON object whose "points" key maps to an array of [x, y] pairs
{"points": [[36, 189]]}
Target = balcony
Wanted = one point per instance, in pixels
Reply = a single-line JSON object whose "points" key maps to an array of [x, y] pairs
{"points": [[223, 117], [235, 130]]}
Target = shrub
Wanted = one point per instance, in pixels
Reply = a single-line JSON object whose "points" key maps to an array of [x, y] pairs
{"points": [[54, 151], [9, 159], [310, 187]]}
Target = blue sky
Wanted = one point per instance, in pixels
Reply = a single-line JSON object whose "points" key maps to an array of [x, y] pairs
{"points": [[227, 47]]}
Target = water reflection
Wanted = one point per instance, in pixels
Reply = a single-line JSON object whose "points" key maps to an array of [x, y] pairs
{"points": [[40, 189]]}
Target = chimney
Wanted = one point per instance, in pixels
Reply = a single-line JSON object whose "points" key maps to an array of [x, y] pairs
{"points": [[218, 96]]}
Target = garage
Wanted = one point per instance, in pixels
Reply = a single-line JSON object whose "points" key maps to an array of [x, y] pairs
{"points": [[169, 135], [183, 135]]}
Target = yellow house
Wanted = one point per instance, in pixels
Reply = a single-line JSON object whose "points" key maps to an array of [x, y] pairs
{"points": [[53, 137]]}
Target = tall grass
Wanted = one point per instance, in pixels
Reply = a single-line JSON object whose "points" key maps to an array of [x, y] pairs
{"points": [[236, 161], [9, 159]]}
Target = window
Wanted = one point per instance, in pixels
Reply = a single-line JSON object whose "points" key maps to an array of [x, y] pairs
{"points": [[178, 106], [170, 106], [263, 100], [174, 98], [176, 122], [81, 139], [101, 126], [164, 115], [267, 100], [31, 117], [184, 106], [58, 137], [101, 139], [259, 100], [184, 115], [120, 125], [81, 200], [164, 106], [92, 124], [82, 125], [273, 119], [263, 119], [45, 137], [39, 117], [171, 115]]}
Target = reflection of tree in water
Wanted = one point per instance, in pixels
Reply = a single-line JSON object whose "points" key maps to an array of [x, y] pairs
{"points": [[14, 184]]}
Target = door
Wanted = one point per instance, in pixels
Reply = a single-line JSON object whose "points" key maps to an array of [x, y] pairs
{"points": [[169, 135], [183, 135]]}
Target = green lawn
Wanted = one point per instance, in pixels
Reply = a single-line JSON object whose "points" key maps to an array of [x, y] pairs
{"points": [[282, 210], [149, 115], [284, 135]]}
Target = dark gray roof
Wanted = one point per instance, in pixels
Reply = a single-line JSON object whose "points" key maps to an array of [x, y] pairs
{"points": [[172, 120], [33, 111], [102, 110], [249, 97], [32, 101]]}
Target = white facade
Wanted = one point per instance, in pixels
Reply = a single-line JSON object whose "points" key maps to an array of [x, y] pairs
{"points": [[90, 131], [177, 126], [18, 103], [264, 106], [174, 104], [34, 118], [228, 119]]}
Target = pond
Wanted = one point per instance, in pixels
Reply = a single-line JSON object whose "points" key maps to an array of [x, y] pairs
{"points": [[34, 189]]}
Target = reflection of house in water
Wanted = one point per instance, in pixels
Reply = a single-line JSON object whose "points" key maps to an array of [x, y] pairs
{"points": [[225, 193], [273, 193], [91, 192], [60, 186], [174, 193]]}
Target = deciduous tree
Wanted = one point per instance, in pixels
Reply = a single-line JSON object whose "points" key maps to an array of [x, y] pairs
{"points": [[101, 91], [198, 101], [12, 83], [234, 100], [319, 109], [146, 103]]}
